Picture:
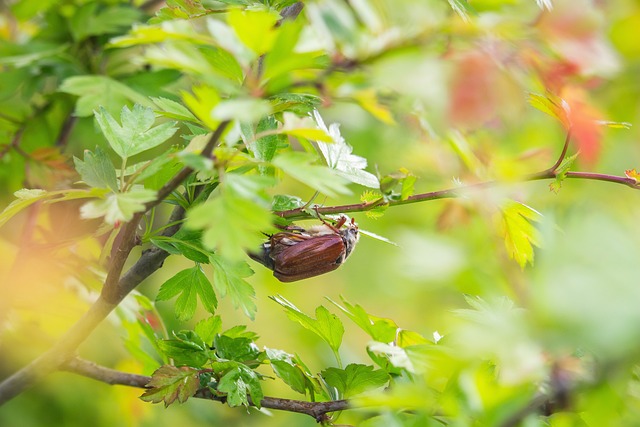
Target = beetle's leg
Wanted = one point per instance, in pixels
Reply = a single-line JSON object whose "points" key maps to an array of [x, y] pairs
{"points": [[336, 227]]}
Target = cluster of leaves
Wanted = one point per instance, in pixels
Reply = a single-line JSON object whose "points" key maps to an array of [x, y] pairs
{"points": [[226, 362]]}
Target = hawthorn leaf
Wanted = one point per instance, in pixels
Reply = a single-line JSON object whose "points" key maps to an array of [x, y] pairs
{"points": [[96, 170], [340, 158], [169, 383], [561, 173], [208, 328], [228, 278], [519, 233], [230, 224], [288, 371], [173, 109], [321, 178], [187, 348], [378, 328], [118, 207], [326, 325], [190, 284], [239, 382], [240, 349], [355, 379], [95, 91], [136, 133]]}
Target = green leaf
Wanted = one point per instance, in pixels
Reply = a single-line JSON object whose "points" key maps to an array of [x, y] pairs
{"points": [[326, 325], [231, 224], [239, 382], [321, 178], [208, 328], [190, 284], [118, 207], [378, 328], [519, 233], [240, 349], [97, 170], [355, 379], [285, 202], [255, 28], [286, 369], [228, 278], [615, 125], [264, 148], [241, 109], [339, 157], [201, 103], [26, 197], [95, 91], [136, 134], [186, 349], [561, 173], [88, 20], [169, 384], [184, 242], [174, 110]]}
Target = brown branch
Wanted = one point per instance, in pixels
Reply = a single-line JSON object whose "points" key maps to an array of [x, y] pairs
{"points": [[550, 173], [114, 290], [317, 410]]}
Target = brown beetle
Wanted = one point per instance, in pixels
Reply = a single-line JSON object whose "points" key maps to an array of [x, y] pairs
{"points": [[299, 253]]}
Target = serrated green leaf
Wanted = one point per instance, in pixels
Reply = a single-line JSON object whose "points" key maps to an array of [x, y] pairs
{"points": [[321, 178], [228, 278], [118, 207], [190, 284], [284, 202], [561, 172], [355, 379], [185, 242], [264, 148], [186, 349], [239, 382], [519, 233], [97, 170], [174, 110], [326, 325], [378, 328], [230, 224], [136, 134], [208, 328], [169, 384], [94, 91], [240, 349]]}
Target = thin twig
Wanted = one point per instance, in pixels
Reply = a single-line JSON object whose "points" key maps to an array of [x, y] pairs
{"points": [[550, 173], [317, 410]]}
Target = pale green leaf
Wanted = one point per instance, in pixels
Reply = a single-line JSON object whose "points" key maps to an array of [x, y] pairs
{"points": [[355, 379], [241, 109], [118, 207], [326, 325], [228, 278], [239, 382], [97, 170], [321, 178], [230, 224], [95, 91], [136, 133]]}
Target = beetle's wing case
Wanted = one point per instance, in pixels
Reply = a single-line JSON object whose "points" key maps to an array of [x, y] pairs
{"points": [[308, 258]]}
